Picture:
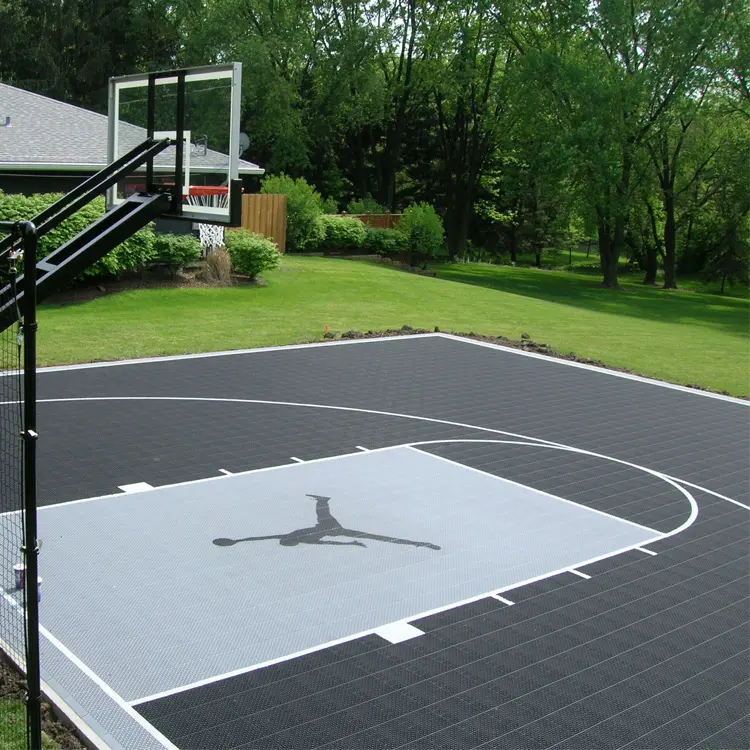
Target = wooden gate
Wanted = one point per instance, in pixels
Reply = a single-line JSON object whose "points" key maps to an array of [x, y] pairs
{"points": [[265, 214]]}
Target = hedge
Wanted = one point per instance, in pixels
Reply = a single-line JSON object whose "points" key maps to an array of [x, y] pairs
{"points": [[130, 255]]}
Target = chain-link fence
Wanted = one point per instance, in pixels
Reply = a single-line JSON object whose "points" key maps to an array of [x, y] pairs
{"points": [[19, 720]]}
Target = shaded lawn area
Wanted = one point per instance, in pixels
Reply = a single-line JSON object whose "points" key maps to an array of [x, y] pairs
{"points": [[681, 337]]}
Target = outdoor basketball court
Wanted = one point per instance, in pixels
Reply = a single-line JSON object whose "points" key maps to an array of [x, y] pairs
{"points": [[419, 541]]}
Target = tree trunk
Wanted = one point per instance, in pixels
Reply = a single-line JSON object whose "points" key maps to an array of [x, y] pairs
{"points": [[538, 259], [670, 243], [651, 265], [723, 279], [605, 255]]}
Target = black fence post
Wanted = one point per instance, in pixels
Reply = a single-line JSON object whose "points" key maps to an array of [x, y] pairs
{"points": [[27, 231]]}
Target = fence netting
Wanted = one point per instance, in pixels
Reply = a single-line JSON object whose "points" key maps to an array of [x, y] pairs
{"points": [[13, 714]]}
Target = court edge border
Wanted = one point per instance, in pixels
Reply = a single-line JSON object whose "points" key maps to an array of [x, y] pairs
{"points": [[449, 336]]}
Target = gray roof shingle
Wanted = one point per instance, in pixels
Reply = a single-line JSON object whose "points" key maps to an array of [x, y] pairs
{"points": [[48, 134]]}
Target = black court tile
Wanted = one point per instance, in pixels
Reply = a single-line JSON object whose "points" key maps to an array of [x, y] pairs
{"points": [[651, 652]]}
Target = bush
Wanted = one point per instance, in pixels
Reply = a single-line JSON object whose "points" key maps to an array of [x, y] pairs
{"points": [[130, 255], [251, 253], [423, 232], [386, 242], [330, 206], [303, 208], [176, 250], [343, 231], [366, 205]]}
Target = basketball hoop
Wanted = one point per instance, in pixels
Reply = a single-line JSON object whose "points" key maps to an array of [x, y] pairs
{"points": [[209, 196]]}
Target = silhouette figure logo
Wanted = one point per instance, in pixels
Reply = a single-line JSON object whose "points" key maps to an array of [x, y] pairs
{"points": [[327, 526]]}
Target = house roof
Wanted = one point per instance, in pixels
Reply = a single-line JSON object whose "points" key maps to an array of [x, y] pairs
{"points": [[49, 135]]}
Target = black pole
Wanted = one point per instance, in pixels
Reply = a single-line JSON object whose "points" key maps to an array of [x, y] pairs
{"points": [[179, 174], [150, 115], [33, 678]]}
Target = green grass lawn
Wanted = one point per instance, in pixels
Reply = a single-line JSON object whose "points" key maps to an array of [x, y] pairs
{"points": [[684, 337], [13, 729]]}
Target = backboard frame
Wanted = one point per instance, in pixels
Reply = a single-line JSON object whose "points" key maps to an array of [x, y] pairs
{"points": [[180, 136]]}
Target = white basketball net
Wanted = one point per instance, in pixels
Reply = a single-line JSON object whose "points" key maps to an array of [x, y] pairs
{"points": [[210, 235]]}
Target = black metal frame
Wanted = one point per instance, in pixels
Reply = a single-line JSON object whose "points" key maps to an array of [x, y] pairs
{"points": [[40, 278]]}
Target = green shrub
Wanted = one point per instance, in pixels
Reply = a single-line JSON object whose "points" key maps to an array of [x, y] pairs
{"points": [[130, 255], [387, 242], [303, 207], [423, 232], [251, 253], [330, 206], [176, 250], [366, 205], [343, 231]]}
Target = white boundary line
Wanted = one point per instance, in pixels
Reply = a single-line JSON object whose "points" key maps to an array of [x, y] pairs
{"points": [[226, 472], [225, 353], [647, 551], [596, 368], [495, 593], [436, 611], [297, 460], [103, 686], [502, 599], [356, 410], [533, 489], [315, 344]]}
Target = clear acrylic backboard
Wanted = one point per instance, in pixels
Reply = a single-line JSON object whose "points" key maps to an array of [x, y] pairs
{"points": [[198, 109]]}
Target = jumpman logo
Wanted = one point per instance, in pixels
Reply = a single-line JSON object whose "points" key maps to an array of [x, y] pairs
{"points": [[327, 525]]}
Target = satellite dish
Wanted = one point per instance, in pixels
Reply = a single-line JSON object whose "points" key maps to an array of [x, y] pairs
{"points": [[244, 143]]}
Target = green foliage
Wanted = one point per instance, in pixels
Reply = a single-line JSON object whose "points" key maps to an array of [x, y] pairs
{"points": [[303, 209], [251, 253], [366, 205], [176, 250], [330, 206], [343, 231], [130, 255], [423, 232], [389, 243]]}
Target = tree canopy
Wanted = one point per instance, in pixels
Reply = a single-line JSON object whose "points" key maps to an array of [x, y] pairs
{"points": [[530, 126]]}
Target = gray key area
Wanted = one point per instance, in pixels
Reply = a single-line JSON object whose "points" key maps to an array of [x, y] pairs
{"points": [[137, 587]]}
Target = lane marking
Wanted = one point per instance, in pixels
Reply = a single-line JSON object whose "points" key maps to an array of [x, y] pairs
{"points": [[226, 473], [357, 410], [137, 487], [361, 448], [647, 551], [503, 599], [296, 460], [98, 681], [494, 593], [579, 574], [533, 489], [398, 632]]}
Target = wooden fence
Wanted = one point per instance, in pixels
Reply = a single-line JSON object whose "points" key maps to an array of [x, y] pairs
{"points": [[265, 214], [378, 221]]}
